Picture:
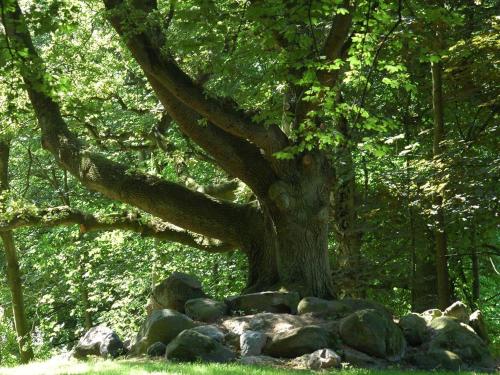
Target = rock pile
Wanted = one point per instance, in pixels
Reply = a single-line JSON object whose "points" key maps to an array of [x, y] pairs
{"points": [[278, 329]]}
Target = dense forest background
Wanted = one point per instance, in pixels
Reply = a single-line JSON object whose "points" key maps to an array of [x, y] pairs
{"points": [[410, 127]]}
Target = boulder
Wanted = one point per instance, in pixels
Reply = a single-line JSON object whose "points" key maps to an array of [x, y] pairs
{"points": [[476, 321], [205, 309], [210, 331], [252, 342], [459, 311], [436, 360], [161, 326], [260, 360], [451, 335], [299, 341], [273, 302], [101, 341], [157, 349], [360, 359], [323, 359], [373, 333], [414, 329], [191, 346], [338, 308], [174, 291]]}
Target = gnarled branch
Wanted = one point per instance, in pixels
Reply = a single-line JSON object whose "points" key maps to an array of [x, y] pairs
{"points": [[64, 215], [164, 69]]}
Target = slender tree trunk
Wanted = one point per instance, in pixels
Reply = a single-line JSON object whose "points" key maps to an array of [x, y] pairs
{"points": [[443, 280], [13, 272], [345, 207], [82, 261], [475, 266]]}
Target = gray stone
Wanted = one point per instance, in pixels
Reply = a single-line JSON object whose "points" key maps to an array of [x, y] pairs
{"points": [[252, 342], [273, 302], [436, 360], [451, 335], [338, 308], [100, 341], [299, 341], [174, 291], [323, 359], [476, 321], [157, 349], [373, 333], [360, 359], [191, 346], [414, 328], [210, 331], [161, 326], [205, 309], [459, 311]]}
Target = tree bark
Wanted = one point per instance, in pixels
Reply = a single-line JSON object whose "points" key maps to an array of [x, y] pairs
{"points": [[299, 208], [14, 277], [443, 280]]}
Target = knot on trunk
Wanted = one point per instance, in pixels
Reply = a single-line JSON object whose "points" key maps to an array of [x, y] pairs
{"points": [[280, 194]]}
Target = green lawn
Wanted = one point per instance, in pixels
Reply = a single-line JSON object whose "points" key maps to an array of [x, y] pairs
{"points": [[139, 367]]}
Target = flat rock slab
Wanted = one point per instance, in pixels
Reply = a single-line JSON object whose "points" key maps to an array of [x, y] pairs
{"points": [[274, 302], [268, 323], [338, 308]]}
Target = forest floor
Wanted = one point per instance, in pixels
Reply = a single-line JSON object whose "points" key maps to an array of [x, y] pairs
{"points": [[143, 367]]}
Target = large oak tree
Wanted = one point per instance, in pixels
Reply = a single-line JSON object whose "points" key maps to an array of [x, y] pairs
{"points": [[285, 233]]}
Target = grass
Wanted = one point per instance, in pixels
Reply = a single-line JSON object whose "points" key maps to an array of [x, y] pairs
{"points": [[148, 367]]}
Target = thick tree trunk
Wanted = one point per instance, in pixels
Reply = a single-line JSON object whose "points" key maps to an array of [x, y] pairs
{"points": [[443, 280], [13, 272], [303, 263], [300, 212]]}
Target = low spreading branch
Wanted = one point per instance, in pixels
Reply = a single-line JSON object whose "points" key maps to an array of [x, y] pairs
{"points": [[65, 216]]}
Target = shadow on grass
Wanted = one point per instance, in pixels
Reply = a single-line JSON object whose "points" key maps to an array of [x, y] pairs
{"points": [[138, 367], [158, 367]]}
